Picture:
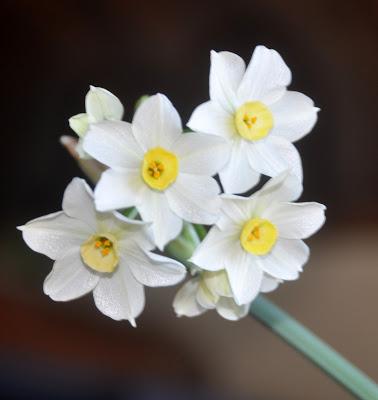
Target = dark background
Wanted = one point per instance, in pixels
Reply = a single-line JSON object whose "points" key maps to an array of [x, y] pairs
{"points": [[51, 52]]}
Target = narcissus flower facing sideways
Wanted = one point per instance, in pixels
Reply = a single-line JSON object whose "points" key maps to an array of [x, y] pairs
{"points": [[100, 105], [211, 290], [253, 110], [101, 252], [166, 174], [261, 234]]}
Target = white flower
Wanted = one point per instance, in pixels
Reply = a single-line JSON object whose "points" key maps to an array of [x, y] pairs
{"points": [[252, 108], [211, 290], [261, 234], [100, 105], [103, 252], [153, 166]]}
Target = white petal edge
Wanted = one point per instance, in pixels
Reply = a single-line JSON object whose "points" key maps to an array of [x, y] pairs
{"points": [[212, 119], [228, 309], [266, 72], [119, 295], [201, 154], [185, 303], [156, 123], [237, 176], [152, 269], [100, 104], [226, 72], [195, 198], [118, 189], [113, 144], [70, 278]]}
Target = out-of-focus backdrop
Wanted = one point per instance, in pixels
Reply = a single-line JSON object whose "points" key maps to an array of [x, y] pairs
{"points": [[51, 52]]}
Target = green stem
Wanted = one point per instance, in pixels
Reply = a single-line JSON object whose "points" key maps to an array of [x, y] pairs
{"points": [[324, 356], [286, 327]]}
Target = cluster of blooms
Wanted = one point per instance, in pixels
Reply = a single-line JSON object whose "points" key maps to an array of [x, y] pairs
{"points": [[246, 129]]}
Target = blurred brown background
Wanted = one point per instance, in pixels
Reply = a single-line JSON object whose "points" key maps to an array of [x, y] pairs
{"points": [[51, 52]]}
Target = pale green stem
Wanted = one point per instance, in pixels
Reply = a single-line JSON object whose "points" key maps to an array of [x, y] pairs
{"points": [[286, 327]]}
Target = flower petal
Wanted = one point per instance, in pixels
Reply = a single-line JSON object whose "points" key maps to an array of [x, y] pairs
{"points": [[152, 269], [296, 220], [273, 156], [245, 276], [212, 119], [286, 259], [185, 302], [238, 176], [294, 116], [195, 198], [228, 309], [119, 295], [112, 143], [101, 105], [226, 72], [79, 124], [266, 72], [216, 250], [166, 225], [193, 150], [70, 278], [118, 189], [269, 283], [156, 123], [53, 234], [78, 202]]}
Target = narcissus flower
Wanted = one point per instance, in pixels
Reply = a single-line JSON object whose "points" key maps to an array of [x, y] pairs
{"points": [[100, 105], [211, 290], [261, 234], [166, 174], [253, 110], [101, 252]]}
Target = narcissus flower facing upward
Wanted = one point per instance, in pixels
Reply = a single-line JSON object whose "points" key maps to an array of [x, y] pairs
{"points": [[261, 234], [166, 174], [101, 252], [253, 110], [211, 290], [100, 105]]}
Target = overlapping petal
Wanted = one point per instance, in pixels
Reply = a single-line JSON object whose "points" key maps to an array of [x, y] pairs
{"points": [[70, 278], [101, 105], [185, 302]]}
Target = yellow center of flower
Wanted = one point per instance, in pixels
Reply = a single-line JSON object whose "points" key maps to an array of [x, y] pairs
{"points": [[253, 120], [258, 236], [160, 168], [100, 252]]}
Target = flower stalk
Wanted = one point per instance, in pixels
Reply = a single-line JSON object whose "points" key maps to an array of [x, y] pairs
{"points": [[289, 329]]}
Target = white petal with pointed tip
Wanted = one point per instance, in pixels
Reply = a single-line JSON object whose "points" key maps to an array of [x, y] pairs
{"points": [[152, 269], [156, 123], [216, 250], [286, 259], [79, 124], [78, 202], [212, 119], [119, 295], [70, 278], [118, 189], [53, 234], [296, 220], [195, 198], [166, 225], [226, 72], [185, 302], [112, 143], [100, 104], [266, 72], [294, 116], [201, 154], [238, 176], [273, 156]]}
